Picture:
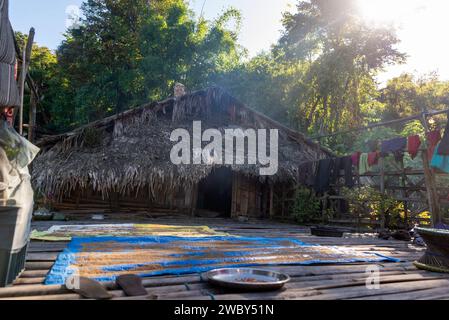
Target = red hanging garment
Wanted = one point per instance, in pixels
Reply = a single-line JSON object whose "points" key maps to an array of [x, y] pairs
{"points": [[356, 158], [373, 158], [413, 144], [433, 138]]}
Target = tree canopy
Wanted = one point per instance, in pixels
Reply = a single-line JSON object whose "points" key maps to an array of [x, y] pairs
{"points": [[319, 78], [126, 52]]}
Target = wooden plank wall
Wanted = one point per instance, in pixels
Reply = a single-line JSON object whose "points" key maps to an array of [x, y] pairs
{"points": [[249, 197], [141, 201]]}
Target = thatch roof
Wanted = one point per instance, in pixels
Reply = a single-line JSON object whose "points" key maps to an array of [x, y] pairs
{"points": [[131, 151]]}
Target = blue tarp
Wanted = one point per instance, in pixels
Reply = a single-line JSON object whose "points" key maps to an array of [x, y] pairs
{"points": [[192, 256]]}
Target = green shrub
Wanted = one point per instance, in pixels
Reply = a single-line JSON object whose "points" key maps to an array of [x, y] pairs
{"points": [[306, 207], [371, 201]]}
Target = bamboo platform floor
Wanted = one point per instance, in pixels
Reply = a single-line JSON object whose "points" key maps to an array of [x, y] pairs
{"points": [[398, 281]]}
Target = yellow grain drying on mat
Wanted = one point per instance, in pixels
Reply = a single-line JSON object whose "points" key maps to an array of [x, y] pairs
{"points": [[66, 232]]}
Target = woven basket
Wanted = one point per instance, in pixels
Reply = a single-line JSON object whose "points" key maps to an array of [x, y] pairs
{"points": [[436, 257]]}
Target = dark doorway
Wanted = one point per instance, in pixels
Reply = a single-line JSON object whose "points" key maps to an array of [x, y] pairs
{"points": [[215, 192]]}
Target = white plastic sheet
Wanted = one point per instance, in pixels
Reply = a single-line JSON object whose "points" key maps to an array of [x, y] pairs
{"points": [[16, 153]]}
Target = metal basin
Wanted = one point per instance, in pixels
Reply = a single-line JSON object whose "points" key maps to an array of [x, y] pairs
{"points": [[247, 279]]}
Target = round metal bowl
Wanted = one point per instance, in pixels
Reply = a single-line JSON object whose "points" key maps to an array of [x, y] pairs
{"points": [[247, 279]]}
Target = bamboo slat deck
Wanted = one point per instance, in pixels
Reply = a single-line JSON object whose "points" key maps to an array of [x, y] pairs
{"points": [[397, 280]]}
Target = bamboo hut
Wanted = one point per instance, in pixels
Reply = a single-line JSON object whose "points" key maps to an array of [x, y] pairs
{"points": [[122, 163]]}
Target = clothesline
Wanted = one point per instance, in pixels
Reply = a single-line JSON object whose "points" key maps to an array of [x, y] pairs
{"points": [[383, 124], [321, 173]]}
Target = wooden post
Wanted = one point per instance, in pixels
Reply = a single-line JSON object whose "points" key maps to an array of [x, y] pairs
{"points": [[194, 199], [432, 194], [26, 57], [283, 201], [382, 188], [234, 195], [32, 117], [424, 121], [404, 191], [149, 199], [271, 201]]}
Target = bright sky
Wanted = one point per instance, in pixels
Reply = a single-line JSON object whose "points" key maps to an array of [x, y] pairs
{"points": [[422, 25]]}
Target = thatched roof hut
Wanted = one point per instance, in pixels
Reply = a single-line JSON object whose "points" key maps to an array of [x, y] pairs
{"points": [[129, 154]]}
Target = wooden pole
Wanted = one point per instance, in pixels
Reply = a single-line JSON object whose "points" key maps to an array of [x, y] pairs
{"points": [[194, 199], [26, 57], [22, 91], [404, 190], [271, 201], [32, 117], [283, 201], [382, 188], [432, 194]]}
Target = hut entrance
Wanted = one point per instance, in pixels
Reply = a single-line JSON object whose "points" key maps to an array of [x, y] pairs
{"points": [[215, 192]]}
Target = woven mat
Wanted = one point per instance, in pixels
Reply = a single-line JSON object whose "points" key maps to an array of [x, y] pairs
{"points": [[106, 258], [65, 233]]}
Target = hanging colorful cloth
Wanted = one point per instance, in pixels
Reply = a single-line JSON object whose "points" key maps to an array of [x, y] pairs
{"points": [[443, 149], [413, 144], [433, 138], [440, 162], [356, 158], [373, 158], [323, 175], [395, 146], [364, 166], [345, 164]]}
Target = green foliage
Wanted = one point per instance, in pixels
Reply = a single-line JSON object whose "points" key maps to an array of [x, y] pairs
{"points": [[43, 70], [405, 95], [318, 78], [306, 207], [413, 128], [127, 52], [343, 54], [376, 134], [370, 201]]}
